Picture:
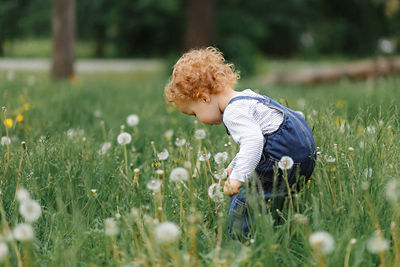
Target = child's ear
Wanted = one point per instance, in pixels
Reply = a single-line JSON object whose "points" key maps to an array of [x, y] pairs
{"points": [[204, 97]]}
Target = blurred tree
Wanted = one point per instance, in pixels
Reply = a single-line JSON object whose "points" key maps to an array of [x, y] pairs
{"points": [[10, 11], [199, 23], [63, 38]]}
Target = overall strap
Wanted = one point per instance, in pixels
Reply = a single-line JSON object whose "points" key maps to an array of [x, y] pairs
{"points": [[259, 99]]}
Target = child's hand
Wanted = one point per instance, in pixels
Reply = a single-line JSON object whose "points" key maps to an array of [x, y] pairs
{"points": [[232, 187], [228, 173]]}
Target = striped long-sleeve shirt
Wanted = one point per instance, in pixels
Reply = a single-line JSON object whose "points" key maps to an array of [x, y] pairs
{"points": [[247, 121]]}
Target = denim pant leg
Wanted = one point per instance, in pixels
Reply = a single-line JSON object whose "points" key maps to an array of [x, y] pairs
{"points": [[238, 215]]}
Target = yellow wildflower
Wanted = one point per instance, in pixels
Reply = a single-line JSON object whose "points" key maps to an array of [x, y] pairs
{"points": [[20, 118], [339, 121], [8, 122], [26, 106], [73, 79], [360, 130], [341, 104]]}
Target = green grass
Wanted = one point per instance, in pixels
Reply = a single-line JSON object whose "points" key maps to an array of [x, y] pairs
{"points": [[60, 173]]}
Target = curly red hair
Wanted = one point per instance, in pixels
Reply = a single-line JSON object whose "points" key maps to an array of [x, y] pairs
{"points": [[197, 72]]}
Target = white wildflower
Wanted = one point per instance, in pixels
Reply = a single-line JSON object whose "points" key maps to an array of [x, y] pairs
{"points": [[132, 120], [163, 155], [23, 232], [168, 134], [203, 156], [30, 210], [5, 140], [180, 142], [392, 189], [104, 147], [23, 194], [370, 129], [221, 157], [285, 163], [215, 193], [322, 241], [110, 227], [376, 243], [386, 46], [124, 138], [154, 185], [179, 174], [200, 134], [167, 232], [220, 174], [351, 149], [3, 251], [97, 113]]}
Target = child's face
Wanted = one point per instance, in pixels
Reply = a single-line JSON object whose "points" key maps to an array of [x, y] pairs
{"points": [[206, 110]]}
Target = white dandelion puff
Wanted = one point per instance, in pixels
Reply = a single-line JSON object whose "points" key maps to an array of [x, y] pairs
{"points": [[3, 251], [351, 149], [154, 185], [300, 218], [203, 156], [104, 148], [200, 134], [23, 232], [179, 174], [110, 227], [97, 113], [220, 174], [30, 210], [386, 46], [167, 232], [163, 155], [221, 157], [187, 164], [75, 133], [5, 141], [168, 134], [132, 120], [285, 163], [179, 142], [23, 195], [376, 243], [215, 193], [330, 159], [392, 189], [322, 241], [124, 138]]}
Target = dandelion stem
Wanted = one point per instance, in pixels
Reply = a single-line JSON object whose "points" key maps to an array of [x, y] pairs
{"points": [[19, 171], [126, 160]]}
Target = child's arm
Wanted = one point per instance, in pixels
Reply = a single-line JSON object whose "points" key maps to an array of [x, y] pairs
{"points": [[231, 187]]}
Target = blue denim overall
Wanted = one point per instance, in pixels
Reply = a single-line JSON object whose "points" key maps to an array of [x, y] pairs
{"points": [[294, 139]]}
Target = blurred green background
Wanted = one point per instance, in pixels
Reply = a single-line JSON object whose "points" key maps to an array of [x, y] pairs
{"points": [[246, 31]]}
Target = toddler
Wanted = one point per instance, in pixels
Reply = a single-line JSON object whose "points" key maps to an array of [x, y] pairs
{"points": [[202, 84]]}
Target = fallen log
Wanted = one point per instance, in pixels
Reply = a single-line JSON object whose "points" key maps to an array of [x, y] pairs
{"points": [[364, 69]]}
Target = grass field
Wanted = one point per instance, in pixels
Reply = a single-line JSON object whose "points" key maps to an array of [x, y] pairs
{"points": [[353, 195]]}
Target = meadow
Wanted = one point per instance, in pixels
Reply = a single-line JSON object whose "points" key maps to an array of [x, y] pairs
{"points": [[106, 200]]}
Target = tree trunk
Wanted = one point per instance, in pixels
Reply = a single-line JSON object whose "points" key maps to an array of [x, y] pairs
{"points": [[200, 23], [1, 48], [63, 39]]}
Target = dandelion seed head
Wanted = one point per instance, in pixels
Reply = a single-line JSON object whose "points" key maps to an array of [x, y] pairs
{"points": [[154, 185], [110, 227], [23, 195], [215, 193], [221, 157], [187, 164], [179, 174], [167, 233], [132, 120], [351, 149], [5, 141], [220, 174], [30, 210], [3, 251], [118, 216], [104, 148], [322, 241], [376, 243], [301, 219], [168, 134], [285, 163], [163, 155], [330, 159], [392, 189], [97, 113], [23, 232], [203, 156], [353, 241], [179, 142], [200, 134], [124, 138]]}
